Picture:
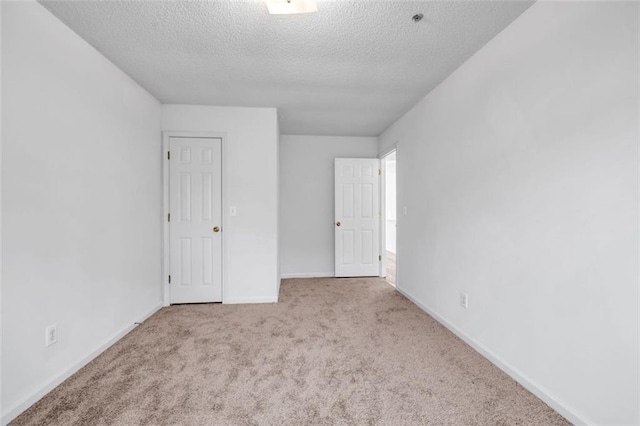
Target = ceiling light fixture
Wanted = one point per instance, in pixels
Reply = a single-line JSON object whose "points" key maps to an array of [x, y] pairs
{"points": [[290, 7]]}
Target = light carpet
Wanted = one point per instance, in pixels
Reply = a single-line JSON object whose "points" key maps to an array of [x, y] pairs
{"points": [[331, 352]]}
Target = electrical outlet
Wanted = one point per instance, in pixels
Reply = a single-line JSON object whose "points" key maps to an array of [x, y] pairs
{"points": [[464, 300], [51, 335]]}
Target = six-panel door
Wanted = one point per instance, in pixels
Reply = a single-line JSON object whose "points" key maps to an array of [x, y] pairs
{"points": [[357, 217], [195, 200]]}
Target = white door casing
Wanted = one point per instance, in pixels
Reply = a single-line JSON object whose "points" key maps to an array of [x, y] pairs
{"points": [[195, 225], [357, 217]]}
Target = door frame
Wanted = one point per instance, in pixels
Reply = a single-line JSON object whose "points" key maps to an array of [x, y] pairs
{"points": [[383, 210], [166, 261]]}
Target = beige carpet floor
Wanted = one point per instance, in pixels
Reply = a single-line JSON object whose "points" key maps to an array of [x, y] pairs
{"points": [[332, 352]]}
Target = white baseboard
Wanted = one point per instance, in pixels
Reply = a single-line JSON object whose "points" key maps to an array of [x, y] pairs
{"points": [[20, 407], [308, 275], [549, 398], [250, 300]]}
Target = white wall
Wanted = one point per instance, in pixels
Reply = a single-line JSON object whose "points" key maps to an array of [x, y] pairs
{"points": [[390, 236], [250, 183], [307, 199], [279, 215], [1, 208], [390, 203], [81, 193], [520, 174]]}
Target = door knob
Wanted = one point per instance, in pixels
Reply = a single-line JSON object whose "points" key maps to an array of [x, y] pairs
{"points": [[216, 229], [337, 223]]}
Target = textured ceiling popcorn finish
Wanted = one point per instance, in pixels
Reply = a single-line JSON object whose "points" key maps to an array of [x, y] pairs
{"points": [[352, 68]]}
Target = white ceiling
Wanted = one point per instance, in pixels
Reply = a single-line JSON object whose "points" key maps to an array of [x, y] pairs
{"points": [[352, 68]]}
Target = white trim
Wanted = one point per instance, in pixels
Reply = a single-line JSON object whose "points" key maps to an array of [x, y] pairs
{"points": [[166, 261], [383, 217], [638, 177], [20, 407], [251, 300], [545, 395], [388, 151], [308, 275], [383, 210], [399, 216]]}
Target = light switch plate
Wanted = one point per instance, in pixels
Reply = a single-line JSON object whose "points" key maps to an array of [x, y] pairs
{"points": [[464, 300], [233, 211]]}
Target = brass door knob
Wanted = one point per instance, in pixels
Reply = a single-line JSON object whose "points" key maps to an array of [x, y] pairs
{"points": [[337, 223], [216, 229]]}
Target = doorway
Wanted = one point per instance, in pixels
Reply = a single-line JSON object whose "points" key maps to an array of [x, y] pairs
{"points": [[389, 186]]}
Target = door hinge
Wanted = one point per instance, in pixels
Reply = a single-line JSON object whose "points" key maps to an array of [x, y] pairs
{"points": [[168, 155], [379, 257], [379, 172], [169, 279], [168, 217]]}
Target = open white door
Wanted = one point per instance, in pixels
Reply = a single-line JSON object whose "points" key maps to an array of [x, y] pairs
{"points": [[357, 217], [195, 203]]}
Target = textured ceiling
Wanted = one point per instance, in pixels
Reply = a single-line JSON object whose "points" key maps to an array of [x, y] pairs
{"points": [[352, 68]]}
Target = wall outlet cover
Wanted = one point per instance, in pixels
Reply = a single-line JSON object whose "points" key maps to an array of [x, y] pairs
{"points": [[51, 335]]}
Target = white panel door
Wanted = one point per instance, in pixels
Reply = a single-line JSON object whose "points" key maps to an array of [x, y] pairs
{"points": [[195, 206], [357, 217]]}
